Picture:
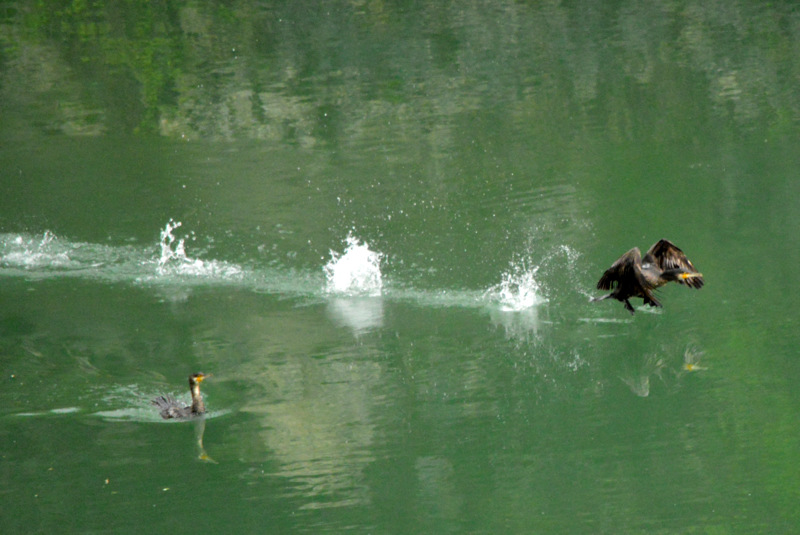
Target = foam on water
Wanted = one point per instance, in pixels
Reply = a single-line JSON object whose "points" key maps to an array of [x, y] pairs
{"points": [[33, 252], [355, 272], [48, 256]]}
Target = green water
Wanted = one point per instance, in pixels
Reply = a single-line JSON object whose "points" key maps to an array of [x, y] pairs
{"points": [[497, 156]]}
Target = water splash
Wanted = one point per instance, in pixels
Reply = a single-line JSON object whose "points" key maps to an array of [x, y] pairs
{"points": [[175, 261], [168, 255], [48, 256], [173, 267], [518, 289], [31, 252], [355, 272], [133, 403], [517, 297]]}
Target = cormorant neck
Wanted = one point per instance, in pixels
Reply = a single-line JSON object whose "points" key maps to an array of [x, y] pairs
{"points": [[198, 407]]}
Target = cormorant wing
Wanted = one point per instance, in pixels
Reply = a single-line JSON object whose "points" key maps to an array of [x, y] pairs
{"points": [[168, 407], [624, 271], [667, 255]]}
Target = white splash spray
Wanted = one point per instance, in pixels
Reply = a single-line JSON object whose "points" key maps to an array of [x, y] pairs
{"points": [[174, 260], [517, 297], [30, 252], [518, 289], [355, 272]]}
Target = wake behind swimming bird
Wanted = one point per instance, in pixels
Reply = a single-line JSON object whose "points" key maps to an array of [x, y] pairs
{"points": [[355, 272]]}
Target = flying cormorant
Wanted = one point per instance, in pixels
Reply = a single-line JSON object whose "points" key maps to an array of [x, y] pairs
{"points": [[634, 276]]}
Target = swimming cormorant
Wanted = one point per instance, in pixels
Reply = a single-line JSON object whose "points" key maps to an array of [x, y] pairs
{"points": [[170, 408]]}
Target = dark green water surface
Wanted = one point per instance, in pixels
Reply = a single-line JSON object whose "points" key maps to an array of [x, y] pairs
{"points": [[487, 161]]}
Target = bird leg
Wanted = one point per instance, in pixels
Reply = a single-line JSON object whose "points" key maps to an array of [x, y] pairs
{"points": [[629, 307]]}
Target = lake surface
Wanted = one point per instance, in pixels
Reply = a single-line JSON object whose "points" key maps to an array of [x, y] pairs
{"points": [[379, 225]]}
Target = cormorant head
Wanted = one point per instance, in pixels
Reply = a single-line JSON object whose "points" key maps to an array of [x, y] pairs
{"points": [[680, 275], [197, 378]]}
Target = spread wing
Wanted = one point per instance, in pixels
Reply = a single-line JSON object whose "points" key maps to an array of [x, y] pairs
{"points": [[169, 408], [666, 256], [622, 272]]}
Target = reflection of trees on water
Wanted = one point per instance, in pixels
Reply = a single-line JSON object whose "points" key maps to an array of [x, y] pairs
{"points": [[311, 401], [322, 432], [310, 72]]}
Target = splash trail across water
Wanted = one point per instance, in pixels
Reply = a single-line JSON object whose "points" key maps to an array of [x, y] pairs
{"points": [[353, 273]]}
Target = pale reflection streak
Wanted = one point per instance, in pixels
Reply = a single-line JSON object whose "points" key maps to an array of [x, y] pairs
{"points": [[359, 314], [439, 496], [520, 325], [321, 432], [313, 404]]}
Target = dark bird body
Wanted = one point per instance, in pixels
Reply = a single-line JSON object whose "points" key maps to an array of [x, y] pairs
{"points": [[634, 276], [171, 409]]}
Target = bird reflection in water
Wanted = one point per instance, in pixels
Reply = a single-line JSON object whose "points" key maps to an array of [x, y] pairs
{"points": [[691, 360], [199, 430], [638, 378]]}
